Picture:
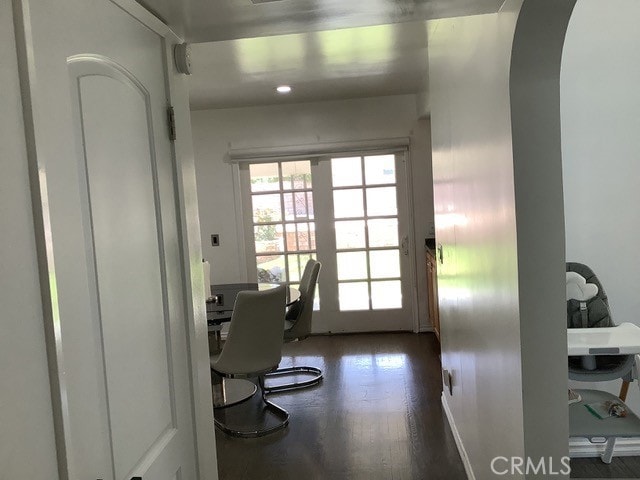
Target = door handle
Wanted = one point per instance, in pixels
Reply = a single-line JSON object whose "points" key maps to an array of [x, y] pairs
{"points": [[405, 245]]}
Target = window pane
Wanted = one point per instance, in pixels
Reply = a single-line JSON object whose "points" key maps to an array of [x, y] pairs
{"points": [[353, 296], [296, 206], [294, 268], [386, 295], [264, 177], [383, 232], [316, 300], [304, 234], [352, 265], [266, 208], [291, 242], [381, 201], [310, 206], [346, 172], [300, 236], [293, 274], [287, 200], [350, 234], [312, 236], [268, 238], [348, 203], [271, 268], [296, 175], [380, 169], [300, 209], [384, 263]]}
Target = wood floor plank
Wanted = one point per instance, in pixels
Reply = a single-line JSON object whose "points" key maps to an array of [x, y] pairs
{"points": [[620, 467]]}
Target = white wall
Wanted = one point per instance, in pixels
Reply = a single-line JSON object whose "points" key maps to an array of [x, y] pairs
{"points": [[537, 159], [27, 446], [600, 101], [494, 94], [475, 223], [217, 131]]}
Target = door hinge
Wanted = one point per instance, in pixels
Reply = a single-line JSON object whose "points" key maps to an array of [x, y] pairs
{"points": [[171, 121]]}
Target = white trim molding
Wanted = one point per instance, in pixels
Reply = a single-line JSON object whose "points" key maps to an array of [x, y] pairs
{"points": [[145, 17], [456, 435], [195, 288], [307, 152]]}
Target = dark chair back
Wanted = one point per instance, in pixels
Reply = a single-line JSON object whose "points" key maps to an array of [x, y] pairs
{"points": [[300, 314]]}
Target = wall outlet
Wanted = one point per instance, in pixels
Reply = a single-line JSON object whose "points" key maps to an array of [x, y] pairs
{"points": [[447, 379], [215, 240]]}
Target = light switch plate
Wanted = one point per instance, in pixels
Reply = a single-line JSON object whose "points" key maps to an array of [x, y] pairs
{"points": [[215, 240]]}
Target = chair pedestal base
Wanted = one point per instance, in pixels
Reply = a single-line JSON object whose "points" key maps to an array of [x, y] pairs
{"points": [[230, 391], [260, 409], [279, 412], [314, 373]]}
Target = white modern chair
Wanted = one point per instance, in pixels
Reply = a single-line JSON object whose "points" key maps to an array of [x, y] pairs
{"points": [[297, 326], [254, 348]]}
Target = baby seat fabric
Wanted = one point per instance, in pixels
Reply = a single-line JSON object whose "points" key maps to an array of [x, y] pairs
{"points": [[598, 314], [607, 367]]}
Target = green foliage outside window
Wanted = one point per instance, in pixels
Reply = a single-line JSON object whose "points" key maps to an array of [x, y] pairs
{"points": [[265, 232]]}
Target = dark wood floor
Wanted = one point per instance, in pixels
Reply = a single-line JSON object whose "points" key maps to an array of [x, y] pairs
{"points": [[620, 467], [377, 415]]}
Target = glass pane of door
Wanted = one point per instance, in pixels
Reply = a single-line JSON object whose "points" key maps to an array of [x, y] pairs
{"points": [[367, 247], [284, 236]]}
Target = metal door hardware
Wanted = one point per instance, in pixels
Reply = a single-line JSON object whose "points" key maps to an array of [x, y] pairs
{"points": [[405, 245], [171, 122]]}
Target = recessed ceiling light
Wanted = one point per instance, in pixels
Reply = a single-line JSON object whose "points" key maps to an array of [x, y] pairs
{"points": [[284, 89]]}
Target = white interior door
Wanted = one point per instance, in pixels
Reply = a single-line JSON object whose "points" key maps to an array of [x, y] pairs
{"points": [[351, 213], [107, 190]]}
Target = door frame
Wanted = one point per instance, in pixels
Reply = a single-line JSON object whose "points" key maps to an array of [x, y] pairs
{"points": [[189, 229]]}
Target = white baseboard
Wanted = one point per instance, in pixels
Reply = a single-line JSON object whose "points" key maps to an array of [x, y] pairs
{"points": [[583, 448], [578, 447], [458, 439]]}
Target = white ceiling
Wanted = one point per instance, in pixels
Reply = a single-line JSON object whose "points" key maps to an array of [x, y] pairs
{"points": [[326, 49], [336, 64], [213, 20]]}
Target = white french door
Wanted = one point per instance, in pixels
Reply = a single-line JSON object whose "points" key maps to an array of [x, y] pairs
{"points": [[349, 212]]}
